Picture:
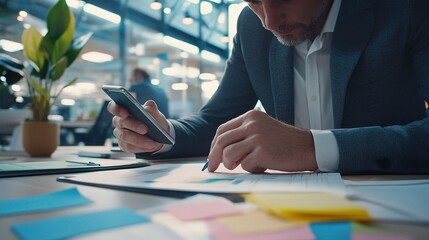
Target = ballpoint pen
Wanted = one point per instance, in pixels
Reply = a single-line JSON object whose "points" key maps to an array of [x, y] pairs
{"points": [[205, 166], [85, 163]]}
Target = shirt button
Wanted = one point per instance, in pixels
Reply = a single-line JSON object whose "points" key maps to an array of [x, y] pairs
{"points": [[313, 98]]}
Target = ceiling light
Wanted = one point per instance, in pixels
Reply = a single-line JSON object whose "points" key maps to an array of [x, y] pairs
{"points": [[26, 25], [221, 18], [97, 57], [15, 88], [75, 3], [206, 8], [155, 81], [187, 20], [184, 55], [210, 56], [192, 72], [20, 18], [156, 5], [194, 1], [167, 10], [207, 76], [181, 45], [10, 46], [101, 13], [68, 102], [23, 14], [179, 86]]}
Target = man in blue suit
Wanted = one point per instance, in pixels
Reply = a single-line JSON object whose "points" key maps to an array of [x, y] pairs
{"points": [[144, 90], [344, 86]]}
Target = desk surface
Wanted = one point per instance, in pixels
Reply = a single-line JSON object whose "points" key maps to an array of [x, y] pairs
{"points": [[107, 198]]}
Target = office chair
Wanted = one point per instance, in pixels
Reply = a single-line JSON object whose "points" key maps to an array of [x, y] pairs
{"points": [[100, 131]]}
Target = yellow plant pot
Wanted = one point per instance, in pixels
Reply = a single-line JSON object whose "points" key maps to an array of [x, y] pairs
{"points": [[40, 139]]}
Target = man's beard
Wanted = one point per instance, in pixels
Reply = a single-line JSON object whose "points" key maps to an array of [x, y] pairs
{"points": [[307, 30]]}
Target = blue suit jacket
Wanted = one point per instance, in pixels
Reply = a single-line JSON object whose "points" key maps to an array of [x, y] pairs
{"points": [[380, 80]]}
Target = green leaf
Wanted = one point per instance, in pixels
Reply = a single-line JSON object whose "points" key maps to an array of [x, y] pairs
{"points": [[39, 88], [71, 82], [31, 39], [58, 69], [47, 46], [76, 47], [63, 43], [58, 20]]}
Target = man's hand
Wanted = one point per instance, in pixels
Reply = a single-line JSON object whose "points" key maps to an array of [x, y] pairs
{"points": [[259, 142], [131, 133]]}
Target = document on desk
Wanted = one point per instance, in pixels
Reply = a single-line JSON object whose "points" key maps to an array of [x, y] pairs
{"points": [[395, 200], [190, 178], [51, 167]]}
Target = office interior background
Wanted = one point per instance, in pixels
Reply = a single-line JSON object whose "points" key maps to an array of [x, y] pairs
{"points": [[183, 44]]}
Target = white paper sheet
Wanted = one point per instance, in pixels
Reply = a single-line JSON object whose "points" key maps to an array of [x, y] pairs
{"points": [[190, 178], [397, 200]]}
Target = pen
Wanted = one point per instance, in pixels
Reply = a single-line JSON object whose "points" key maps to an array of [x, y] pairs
{"points": [[205, 166], [85, 163]]}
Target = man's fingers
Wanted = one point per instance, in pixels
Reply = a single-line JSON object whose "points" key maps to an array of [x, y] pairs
{"points": [[233, 154], [131, 124], [134, 142], [251, 162], [117, 110], [225, 139], [232, 124]]}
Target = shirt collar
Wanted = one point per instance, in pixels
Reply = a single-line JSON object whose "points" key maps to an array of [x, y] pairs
{"points": [[331, 20]]}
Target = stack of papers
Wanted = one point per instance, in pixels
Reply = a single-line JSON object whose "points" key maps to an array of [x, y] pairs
{"points": [[310, 207]]}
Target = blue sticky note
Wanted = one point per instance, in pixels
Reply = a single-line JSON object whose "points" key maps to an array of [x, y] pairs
{"points": [[73, 225], [51, 201], [332, 230]]}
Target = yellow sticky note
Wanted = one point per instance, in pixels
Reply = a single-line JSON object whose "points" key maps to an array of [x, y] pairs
{"points": [[310, 207], [254, 222]]}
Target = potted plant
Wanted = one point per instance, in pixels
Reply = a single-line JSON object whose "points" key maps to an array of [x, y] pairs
{"points": [[46, 59]]}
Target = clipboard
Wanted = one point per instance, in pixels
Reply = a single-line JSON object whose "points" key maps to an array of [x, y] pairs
{"points": [[66, 166]]}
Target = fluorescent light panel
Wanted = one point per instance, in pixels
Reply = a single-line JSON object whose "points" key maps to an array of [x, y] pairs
{"points": [[10, 46], [97, 57], [101, 13], [181, 45], [210, 56]]}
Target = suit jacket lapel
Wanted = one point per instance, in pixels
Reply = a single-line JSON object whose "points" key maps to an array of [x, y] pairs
{"points": [[281, 69], [352, 32]]}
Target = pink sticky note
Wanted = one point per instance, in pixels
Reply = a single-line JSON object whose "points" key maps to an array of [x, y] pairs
{"points": [[220, 232], [378, 236], [202, 210]]}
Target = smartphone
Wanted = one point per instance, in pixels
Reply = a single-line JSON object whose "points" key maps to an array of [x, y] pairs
{"points": [[123, 98]]}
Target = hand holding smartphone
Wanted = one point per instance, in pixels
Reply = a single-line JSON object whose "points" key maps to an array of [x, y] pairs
{"points": [[123, 98]]}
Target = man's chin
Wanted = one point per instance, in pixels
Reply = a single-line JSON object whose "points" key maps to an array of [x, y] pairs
{"points": [[290, 40]]}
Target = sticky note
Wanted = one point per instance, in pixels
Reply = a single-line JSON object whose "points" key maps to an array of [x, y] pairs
{"points": [[73, 225], [254, 222], [136, 231], [51, 201], [202, 210], [332, 230], [310, 206], [220, 232]]}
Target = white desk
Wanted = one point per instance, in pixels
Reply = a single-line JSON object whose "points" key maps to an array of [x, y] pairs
{"points": [[107, 199]]}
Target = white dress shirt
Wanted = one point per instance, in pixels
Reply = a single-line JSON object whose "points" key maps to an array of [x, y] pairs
{"points": [[312, 89]]}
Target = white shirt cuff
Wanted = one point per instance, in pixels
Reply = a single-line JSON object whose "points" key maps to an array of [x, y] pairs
{"points": [[167, 147], [326, 147]]}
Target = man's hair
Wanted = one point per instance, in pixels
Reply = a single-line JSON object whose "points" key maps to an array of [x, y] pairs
{"points": [[142, 72]]}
